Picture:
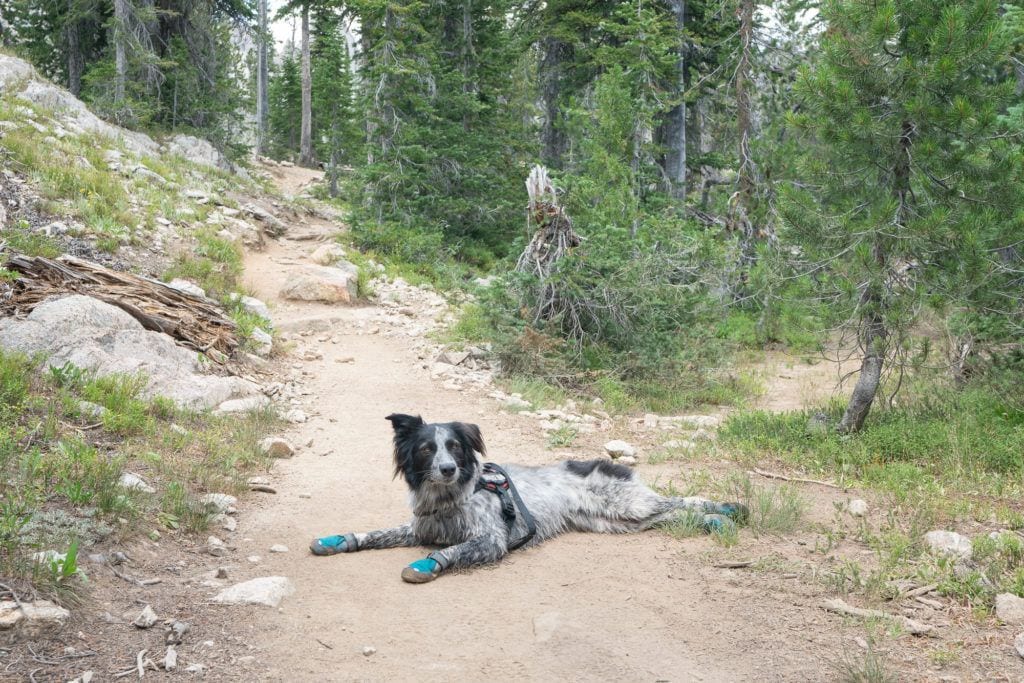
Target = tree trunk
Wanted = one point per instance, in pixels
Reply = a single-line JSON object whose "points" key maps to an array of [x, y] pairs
{"points": [[306, 139], [674, 128], [120, 50], [556, 54], [746, 190], [76, 61], [873, 331], [262, 79]]}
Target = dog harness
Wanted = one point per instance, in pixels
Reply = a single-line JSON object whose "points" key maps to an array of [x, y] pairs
{"points": [[496, 480]]}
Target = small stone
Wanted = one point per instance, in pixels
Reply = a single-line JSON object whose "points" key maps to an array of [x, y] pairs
{"points": [[254, 559], [267, 590], [1018, 643], [327, 254], [949, 543], [369, 650], [229, 523], [171, 659], [295, 416], [133, 482], [222, 573], [857, 508], [176, 632], [618, 449], [93, 410], [263, 343], [146, 619], [650, 421], [187, 287], [242, 405], [216, 547], [305, 495], [345, 359], [195, 669], [277, 447], [629, 460], [218, 502], [278, 548], [1010, 608]]}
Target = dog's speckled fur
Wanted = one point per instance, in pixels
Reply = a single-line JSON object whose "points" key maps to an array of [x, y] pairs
{"points": [[594, 495]]}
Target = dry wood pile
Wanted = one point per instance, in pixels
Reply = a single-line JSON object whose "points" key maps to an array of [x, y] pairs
{"points": [[193, 321]]}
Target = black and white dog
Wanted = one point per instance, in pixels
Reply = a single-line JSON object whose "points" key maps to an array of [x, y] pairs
{"points": [[477, 513]]}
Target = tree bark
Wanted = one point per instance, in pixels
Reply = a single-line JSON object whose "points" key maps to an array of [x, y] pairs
{"points": [[874, 335], [76, 61], [262, 79], [306, 136], [674, 128], [746, 186], [556, 54], [120, 49]]}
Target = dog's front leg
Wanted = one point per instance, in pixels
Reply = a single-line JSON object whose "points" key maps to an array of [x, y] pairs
{"points": [[479, 550], [398, 537]]}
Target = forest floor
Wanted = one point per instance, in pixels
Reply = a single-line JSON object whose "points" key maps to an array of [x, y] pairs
{"points": [[580, 607]]}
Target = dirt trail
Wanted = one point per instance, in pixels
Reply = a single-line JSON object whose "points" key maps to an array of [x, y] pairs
{"points": [[580, 607]]}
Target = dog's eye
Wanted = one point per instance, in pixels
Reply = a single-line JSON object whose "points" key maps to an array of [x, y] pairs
{"points": [[427, 448], [454, 447]]}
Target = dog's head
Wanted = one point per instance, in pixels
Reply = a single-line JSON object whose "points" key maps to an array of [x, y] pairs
{"points": [[437, 454]]}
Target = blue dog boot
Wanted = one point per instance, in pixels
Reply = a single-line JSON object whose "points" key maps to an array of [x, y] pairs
{"points": [[718, 524], [421, 571], [332, 545], [737, 512]]}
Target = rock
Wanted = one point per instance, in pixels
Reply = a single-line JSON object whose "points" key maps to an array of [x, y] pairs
{"points": [[222, 573], [187, 287], [278, 548], [41, 619], [252, 305], [133, 482], [146, 619], [706, 421], [195, 669], [818, 423], [218, 502], [453, 357], [262, 342], [93, 410], [1018, 644], [629, 460], [277, 447], [170, 659], [857, 508], [14, 72], [618, 449], [295, 416], [176, 632], [216, 547], [242, 405], [369, 650], [148, 174], [254, 559], [322, 283], [327, 254], [949, 543], [104, 339], [677, 444], [229, 523], [267, 590], [650, 421], [198, 151], [1010, 608], [273, 225]]}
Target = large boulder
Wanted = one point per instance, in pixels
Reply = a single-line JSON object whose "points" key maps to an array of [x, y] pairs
{"points": [[14, 72], [97, 336], [200, 152], [323, 283], [30, 620]]}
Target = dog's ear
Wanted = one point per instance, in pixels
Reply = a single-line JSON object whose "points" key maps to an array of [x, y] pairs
{"points": [[405, 424], [471, 433]]}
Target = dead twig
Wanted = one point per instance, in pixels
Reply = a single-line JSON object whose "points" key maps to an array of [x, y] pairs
{"points": [[920, 590], [262, 488], [912, 627], [798, 480], [324, 644], [733, 564]]}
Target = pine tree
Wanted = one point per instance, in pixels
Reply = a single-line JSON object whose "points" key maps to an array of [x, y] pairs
{"points": [[335, 131], [912, 180]]}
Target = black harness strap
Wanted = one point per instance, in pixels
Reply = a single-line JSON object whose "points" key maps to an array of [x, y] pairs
{"points": [[510, 500]]}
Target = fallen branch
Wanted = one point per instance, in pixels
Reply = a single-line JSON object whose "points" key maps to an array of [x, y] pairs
{"points": [[263, 488], [920, 590], [912, 627], [734, 564], [798, 480]]}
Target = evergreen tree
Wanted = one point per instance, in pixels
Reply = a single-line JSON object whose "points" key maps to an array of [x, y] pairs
{"points": [[336, 133], [285, 111], [914, 180]]}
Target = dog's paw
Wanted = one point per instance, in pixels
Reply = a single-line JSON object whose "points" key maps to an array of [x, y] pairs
{"points": [[331, 545], [737, 512], [421, 571], [718, 524]]}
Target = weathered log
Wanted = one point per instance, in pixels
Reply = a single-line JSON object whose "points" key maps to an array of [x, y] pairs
{"points": [[193, 321]]}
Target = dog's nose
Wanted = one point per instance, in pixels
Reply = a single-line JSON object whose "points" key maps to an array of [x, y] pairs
{"points": [[447, 469]]}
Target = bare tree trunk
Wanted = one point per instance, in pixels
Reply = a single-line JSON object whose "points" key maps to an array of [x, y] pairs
{"points": [[120, 49], [306, 139], [76, 61], [874, 335], [556, 54], [743, 205], [262, 78], [674, 128]]}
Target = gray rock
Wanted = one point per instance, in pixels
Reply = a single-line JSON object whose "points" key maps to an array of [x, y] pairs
{"points": [[14, 72], [949, 543], [89, 409], [1010, 608], [262, 341], [216, 547], [253, 305], [197, 151], [277, 447], [818, 424], [369, 651], [170, 659], [272, 223], [146, 619], [321, 283], [327, 254], [629, 460], [195, 669], [857, 508], [30, 621], [176, 632], [619, 449], [187, 287], [278, 548], [267, 590], [242, 405], [133, 482], [102, 338], [296, 416], [1018, 644], [218, 502], [141, 171]]}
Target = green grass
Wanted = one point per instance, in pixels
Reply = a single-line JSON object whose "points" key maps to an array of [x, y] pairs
{"points": [[215, 264], [60, 469], [776, 510]]}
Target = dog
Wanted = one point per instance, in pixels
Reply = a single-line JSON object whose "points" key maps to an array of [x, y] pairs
{"points": [[477, 513]]}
